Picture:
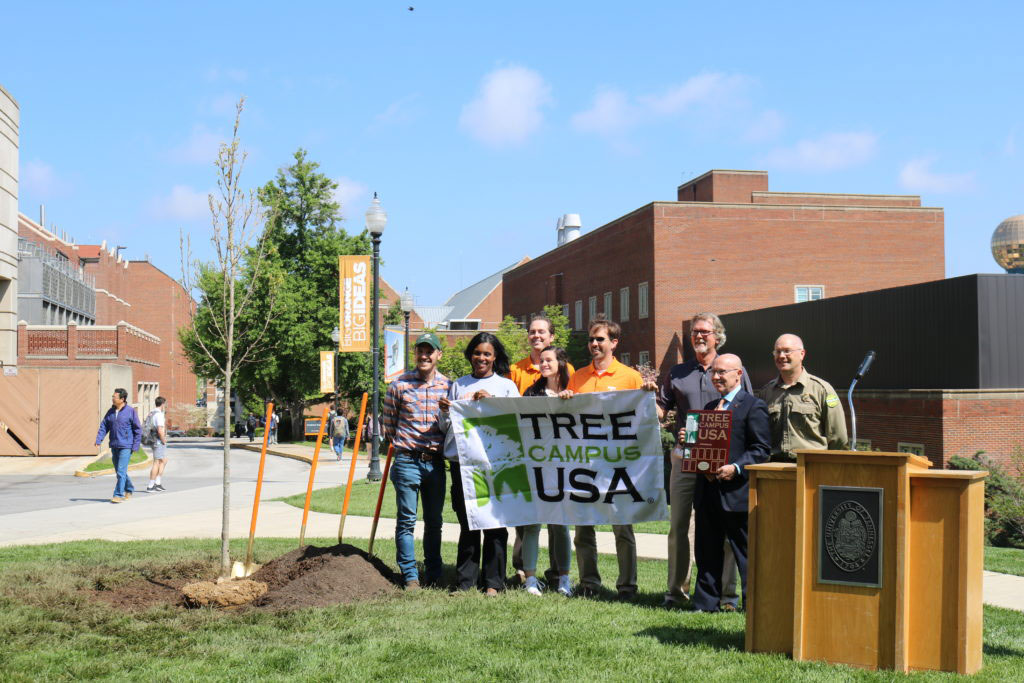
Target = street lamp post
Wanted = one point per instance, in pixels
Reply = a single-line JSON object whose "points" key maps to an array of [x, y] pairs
{"points": [[376, 221], [336, 337], [407, 303]]}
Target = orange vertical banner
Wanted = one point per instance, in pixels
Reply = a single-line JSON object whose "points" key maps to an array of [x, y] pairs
{"points": [[353, 303]]}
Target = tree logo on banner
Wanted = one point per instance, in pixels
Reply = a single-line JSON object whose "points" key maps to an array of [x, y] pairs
{"points": [[505, 471]]}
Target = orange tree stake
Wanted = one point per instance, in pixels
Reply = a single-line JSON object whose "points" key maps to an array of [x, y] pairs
{"points": [[259, 486], [352, 469], [312, 473], [380, 498]]}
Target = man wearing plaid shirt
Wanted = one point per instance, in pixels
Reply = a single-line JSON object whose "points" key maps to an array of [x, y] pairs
{"points": [[410, 422]]}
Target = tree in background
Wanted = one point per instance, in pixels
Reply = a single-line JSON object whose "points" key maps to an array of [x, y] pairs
{"points": [[304, 240], [228, 330]]}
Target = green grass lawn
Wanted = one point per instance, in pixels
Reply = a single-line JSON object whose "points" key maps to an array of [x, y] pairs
{"points": [[1004, 560], [364, 499], [51, 629], [105, 463]]}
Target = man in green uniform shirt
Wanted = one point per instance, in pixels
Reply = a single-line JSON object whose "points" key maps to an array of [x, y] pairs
{"points": [[804, 410]]}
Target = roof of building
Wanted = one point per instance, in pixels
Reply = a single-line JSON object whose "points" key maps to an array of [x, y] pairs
{"points": [[433, 315], [88, 251], [464, 302]]}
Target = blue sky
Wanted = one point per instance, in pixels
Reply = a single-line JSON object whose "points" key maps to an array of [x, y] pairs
{"points": [[480, 123]]}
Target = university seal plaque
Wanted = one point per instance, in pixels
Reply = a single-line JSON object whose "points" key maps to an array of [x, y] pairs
{"points": [[850, 535]]}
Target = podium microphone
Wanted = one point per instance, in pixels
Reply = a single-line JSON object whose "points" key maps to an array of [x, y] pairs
{"points": [[865, 365]]}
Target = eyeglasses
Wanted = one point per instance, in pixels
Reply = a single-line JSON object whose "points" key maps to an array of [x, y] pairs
{"points": [[597, 339], [701, 333], [785, 352], [718, 373]]}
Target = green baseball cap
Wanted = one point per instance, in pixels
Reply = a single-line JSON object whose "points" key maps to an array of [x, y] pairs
{"points": [[431, 339]]}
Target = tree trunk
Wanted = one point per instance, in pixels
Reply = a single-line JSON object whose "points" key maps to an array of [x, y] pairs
{"points": [[225, 522]]}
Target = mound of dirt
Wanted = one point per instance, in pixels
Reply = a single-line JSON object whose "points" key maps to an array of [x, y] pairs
{"points": [[226, 594], [317, 577]]}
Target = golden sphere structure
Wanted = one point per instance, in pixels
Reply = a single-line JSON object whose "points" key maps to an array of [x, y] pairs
{"points": [[1008, 244]]}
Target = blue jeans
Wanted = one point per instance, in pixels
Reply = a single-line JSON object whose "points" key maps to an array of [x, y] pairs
{"points": [[412, 478], [338, 443], [120, 457]]}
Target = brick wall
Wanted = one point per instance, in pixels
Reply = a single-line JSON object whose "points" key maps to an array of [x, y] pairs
{"points": [[91, 346], [946, 423]]}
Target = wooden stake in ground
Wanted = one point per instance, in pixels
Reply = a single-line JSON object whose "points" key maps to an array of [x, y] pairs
{"points": [[380, 498], [247, 567], [312, 474], [352, 469]]}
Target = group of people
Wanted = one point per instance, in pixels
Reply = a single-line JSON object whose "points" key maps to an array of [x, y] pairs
{"points": [[126, 432], [795, 410]]}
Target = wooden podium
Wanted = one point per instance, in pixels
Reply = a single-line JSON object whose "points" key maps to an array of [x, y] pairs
{"points": [[868, 559]]}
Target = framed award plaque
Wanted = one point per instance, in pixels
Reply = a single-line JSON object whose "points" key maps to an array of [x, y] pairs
{"points": [[706, 446]]}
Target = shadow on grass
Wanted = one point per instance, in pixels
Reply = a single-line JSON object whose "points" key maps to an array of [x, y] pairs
{"points": [[1000, 651], [691, 635]]}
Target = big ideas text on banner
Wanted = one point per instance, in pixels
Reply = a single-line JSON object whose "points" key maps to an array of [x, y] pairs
{"points": [[593, 459], [354, 303]]}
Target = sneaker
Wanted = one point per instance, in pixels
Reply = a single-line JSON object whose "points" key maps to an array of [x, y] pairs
{"points": [[564, 586], [727, 607], [128, 496], [532, 585], [151, 488], [159, 487], [117, 499]]}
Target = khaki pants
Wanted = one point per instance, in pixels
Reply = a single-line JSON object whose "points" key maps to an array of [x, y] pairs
{"points": [[680, 541], [625, 550]]}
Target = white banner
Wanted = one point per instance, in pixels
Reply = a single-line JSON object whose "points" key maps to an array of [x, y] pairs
{"points": [[592, 459]]}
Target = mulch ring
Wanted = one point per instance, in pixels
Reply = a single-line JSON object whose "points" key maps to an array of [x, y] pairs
{"points": [[306, 577]]}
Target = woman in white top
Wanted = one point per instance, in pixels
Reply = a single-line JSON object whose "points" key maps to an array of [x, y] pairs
{"points": [[489, 361], [554, 378]]}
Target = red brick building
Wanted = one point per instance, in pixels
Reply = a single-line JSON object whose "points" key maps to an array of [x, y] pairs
{"points": [[137, 313], [728, 244]]}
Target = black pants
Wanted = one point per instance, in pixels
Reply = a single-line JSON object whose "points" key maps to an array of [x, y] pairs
{"points": [[467, 560], [713, 526]]}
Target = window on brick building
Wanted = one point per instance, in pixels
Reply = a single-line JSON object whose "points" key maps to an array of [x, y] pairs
{"points": [[804, 293], [565, 311], [624, 304], [641, 300], [624, 358], [608, 305], [579, 314], [592, 308], [907, 447], [643, 357]]}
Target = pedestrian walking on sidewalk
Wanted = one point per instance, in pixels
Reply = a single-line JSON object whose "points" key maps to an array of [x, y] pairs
{"points": [[122, 423], [156, 424]]}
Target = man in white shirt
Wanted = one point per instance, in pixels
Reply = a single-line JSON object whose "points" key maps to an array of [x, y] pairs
{"points": [[159, 445]]}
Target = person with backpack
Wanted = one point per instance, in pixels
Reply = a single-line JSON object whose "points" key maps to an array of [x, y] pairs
{"points": [[339, 433], [250, 427], [154, 434]]}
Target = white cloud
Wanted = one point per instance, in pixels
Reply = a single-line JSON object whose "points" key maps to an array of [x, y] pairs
{"points": [[399, 111], [917, 175], [702, 89], [610, 114], [182, 203], [507, 110], [200, 148], [348, 193], [40, 180], [829, 152], [613, 111], [766, 127]]}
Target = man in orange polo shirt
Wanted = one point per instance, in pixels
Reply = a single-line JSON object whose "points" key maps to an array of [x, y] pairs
{"points": [[605, 373], [540, 334]]}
